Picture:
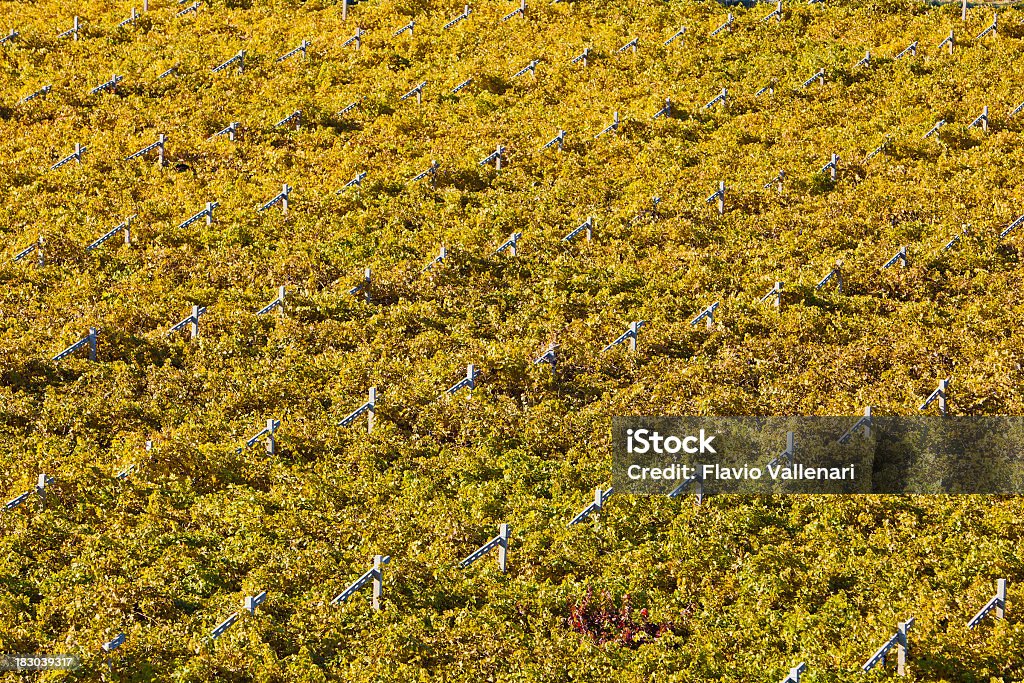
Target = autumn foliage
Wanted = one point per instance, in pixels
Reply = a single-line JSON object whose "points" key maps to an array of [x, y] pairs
{"points": [[739, 589]]}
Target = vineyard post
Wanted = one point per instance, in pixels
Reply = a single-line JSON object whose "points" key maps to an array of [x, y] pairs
{"points": [[677, 35], [371, 415], [902, 648], [981, 119], [503, 534], [561, 139], [109, 648], [997, 604], [378, 580], [836, 273], [794, 673], [254, 601], [364, 286], [950, 41], [271, 443], [41, 489], [500, 541], [938, 395], [776, 293], [901, 642], [707, 315], [549, 356], [698, 483]]}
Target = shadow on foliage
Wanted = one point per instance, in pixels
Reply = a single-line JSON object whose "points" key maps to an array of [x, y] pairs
{"points": [[373, 109], [31, 377], [1008, 254], [684, 347], [492, 84], [128, 33], [960, 140], [919, 69], [467, 180], [395, 62], [819, 184], [963, 666], [341, 125], [825, 300]]}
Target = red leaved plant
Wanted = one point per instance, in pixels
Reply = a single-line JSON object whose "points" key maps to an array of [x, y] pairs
{"points": [[606, 622]]}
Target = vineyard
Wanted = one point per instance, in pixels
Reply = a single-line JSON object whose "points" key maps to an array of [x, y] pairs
{"points": [[437, 220]]}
